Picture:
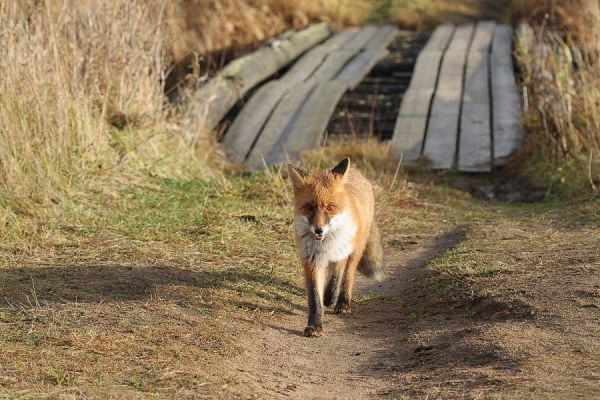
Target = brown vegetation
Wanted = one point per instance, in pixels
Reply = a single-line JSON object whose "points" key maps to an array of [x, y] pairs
{"points": [[576, 19], [427, 14], [124, 275], [82, 89], [203, 26], [557, 55]]}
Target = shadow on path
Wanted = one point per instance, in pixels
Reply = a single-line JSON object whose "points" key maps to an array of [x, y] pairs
{"points": [[113, 283]]}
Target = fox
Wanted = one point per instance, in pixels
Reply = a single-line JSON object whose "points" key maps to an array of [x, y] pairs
{"points": [[336, 235]]}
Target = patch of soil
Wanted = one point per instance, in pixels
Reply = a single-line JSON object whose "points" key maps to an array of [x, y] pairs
{"points": [[506, 189], [499, 186]]}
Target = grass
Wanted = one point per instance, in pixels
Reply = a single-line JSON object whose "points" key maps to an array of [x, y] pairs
{"points": [[560, 79], [427, 14], [83, 105], [198, 25], [124, 296], [130, 264], [127, 288], [130, 290]]}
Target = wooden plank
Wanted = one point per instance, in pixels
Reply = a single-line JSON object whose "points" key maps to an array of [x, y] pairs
{"points": [[340, 39], [213, 100], [506, 111], [428, 61], [426, 70], [248, 124], [409, 131], [308, 129], [252, 118], [475, 143], [383, 37], [333, 64], [355, 71], [484, 34], [362, 38], [438, 41], [309, 63], [408, 137], [442, 131], [306, 66], [418, 102], [280, 122], [411, 124]]}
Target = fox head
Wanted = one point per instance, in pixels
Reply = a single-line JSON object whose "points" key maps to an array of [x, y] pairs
{"points": [[320, 199]]}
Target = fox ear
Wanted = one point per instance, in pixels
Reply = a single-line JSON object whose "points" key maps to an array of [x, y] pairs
{"points": [[297, 175], [342, 169]]}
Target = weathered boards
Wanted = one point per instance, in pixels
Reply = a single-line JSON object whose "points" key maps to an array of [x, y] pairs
{"points": [[212, 101], [462, 108], [248, 125], [475, 142], [280, 122], [308, 64], [506, 102], [252, 119], [312, 121], [442, 131], [411, 124], [291, 113]]}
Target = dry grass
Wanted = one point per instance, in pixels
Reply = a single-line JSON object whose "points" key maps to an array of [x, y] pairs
{"points": [[146, 291], [82, 99], [427, 14], [82, 91], [562, 84], [202, 26], [575, 20]]}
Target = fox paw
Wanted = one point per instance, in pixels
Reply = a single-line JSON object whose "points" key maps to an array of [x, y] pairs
{"points": [[313, 331], [342, 308]]}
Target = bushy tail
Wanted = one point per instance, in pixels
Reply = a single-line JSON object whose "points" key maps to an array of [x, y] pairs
{"points": [[371, 263]]}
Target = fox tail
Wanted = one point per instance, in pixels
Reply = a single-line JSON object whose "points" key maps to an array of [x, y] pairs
{"points": [[371, 262]]}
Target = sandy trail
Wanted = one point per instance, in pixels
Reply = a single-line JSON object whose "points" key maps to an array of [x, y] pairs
{"points": [[354, 357]]}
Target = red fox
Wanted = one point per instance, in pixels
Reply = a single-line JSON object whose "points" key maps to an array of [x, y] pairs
{"points": [[336, 235]]}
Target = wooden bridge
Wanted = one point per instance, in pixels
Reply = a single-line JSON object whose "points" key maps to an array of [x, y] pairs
{"points": [[460, 110]]}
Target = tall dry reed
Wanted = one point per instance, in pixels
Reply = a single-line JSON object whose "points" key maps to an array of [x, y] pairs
{"points": [[561, 76], [202, 26], [69, 73], [83, 86]]}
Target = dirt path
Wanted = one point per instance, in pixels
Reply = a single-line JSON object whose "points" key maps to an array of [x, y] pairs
{"points": [[353, 358], [513, 315]]}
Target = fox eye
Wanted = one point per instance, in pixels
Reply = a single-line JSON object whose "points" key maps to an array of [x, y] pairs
{"points": [[330, 207], [309, 207]]}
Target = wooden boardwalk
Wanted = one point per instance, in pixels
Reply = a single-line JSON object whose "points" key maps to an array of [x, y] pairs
{"points": [[291, 113], [461, 109]]}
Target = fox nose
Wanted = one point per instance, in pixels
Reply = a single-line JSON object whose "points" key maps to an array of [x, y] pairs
{"points": [[318, 231]]}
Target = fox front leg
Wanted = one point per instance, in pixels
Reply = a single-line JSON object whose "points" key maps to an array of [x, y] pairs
{"points": [[315, 282], [344, 300], [332, 291]]}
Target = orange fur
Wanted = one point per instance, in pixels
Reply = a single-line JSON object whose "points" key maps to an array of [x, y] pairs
{"points": [[340, 203]]}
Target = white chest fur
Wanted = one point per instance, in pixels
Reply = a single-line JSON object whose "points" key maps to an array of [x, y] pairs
{"points": [[337, 244]]}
